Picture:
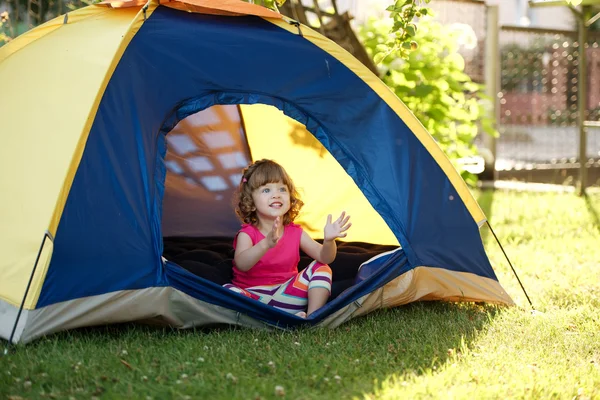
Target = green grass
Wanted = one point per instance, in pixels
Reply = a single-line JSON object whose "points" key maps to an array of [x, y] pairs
{"points": [[422, 350]]}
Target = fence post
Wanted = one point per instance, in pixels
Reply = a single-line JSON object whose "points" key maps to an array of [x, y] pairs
{"points": [[492, 69], [582, 97]]}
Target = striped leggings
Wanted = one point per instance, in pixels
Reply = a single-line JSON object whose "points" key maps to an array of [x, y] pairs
{"points": [[292, 295]]}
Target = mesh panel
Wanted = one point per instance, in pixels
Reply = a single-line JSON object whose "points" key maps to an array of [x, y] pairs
{"points": [[539, 95]]}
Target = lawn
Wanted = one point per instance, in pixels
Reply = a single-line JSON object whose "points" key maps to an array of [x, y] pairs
{"points": [[422, 350]]}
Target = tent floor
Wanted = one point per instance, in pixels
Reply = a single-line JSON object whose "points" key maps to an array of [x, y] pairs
{"points": [[211, 258]]}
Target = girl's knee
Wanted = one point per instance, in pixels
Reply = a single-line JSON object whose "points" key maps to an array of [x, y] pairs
{"points": [[321, 277], [319, 268]]}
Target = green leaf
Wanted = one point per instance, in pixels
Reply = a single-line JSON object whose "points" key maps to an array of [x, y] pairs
{"points": [[487, 125], [399, 80], [472, 87], [411, 75], [442, 85], [381, 47], [457, 60], [459, 76], [423, 90], [378, 58], [467, 131], [437, 113]]}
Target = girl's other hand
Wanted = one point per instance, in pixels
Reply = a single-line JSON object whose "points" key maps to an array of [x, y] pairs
{"points": [[337, 228], [274, 235]]}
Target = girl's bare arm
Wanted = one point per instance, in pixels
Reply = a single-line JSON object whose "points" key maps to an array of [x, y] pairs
{"points": [[324, 253], [246, 254]]}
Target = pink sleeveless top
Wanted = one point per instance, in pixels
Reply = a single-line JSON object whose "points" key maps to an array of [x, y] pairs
{"points": [[277, 265]]}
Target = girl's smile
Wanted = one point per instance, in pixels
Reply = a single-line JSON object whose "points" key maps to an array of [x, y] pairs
{"points": [[271, 200]]}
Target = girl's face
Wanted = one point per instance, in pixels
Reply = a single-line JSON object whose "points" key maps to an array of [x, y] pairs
{"points": [[271, 200]]}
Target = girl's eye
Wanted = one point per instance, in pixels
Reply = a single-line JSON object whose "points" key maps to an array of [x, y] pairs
{"points": [[283, 189], [265, 190]]}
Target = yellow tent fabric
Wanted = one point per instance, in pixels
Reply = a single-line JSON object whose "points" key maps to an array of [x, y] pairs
{"points": [[322, 182], [73, 84]]}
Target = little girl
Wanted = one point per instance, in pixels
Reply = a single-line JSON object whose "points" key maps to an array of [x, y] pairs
{"points": [[265, 265]]}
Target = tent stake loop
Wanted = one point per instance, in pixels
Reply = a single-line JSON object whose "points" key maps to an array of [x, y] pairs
{"points": [[297, 25]]}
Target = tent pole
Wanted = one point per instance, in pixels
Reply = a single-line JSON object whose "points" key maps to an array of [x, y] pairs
{"points": [[37, 259], [509, 263]]}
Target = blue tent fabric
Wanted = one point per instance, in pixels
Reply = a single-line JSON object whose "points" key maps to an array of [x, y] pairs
{"points": [[117, 187]]}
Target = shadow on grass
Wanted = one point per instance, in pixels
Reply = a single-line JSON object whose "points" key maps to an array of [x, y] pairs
{"points": [[423, 334], [411, 339], [593, 212]]}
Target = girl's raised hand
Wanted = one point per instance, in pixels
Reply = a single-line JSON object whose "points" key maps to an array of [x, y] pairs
{"points": [[337, 228], [274, 235]]}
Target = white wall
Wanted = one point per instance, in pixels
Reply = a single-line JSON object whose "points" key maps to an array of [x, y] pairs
{"points": [[516, 12], [512, 12]]}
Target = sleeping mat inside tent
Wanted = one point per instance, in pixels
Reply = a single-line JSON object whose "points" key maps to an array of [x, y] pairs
{"points": [[211, 258]]}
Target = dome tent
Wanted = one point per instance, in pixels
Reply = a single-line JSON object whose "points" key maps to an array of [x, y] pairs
{"points": [[93, 187]]}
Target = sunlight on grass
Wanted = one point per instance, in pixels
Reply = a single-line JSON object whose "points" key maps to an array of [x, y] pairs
{"points": [[553, 241], [422, 350], [517, 356]]}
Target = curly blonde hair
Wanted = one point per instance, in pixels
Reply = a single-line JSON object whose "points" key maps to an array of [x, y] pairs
{"points": [[256, 175]]}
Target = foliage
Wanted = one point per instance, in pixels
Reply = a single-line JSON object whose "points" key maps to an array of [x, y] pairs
{"points": [[433, 85], [6, 31], [273, 4], [403, 33]]}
